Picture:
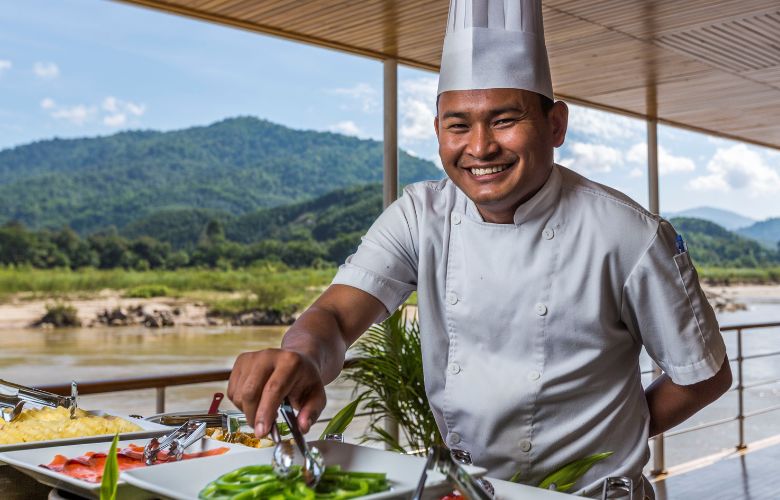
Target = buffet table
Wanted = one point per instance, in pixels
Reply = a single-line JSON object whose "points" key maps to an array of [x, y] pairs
{"points": [[15, 485]]}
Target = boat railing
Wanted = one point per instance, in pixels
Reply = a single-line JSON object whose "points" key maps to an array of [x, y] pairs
{"points": [[161, 382], [659, 462]]}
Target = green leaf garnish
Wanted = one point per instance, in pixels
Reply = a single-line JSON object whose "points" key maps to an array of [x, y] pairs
{"points": [[565, 477], [110, 473]]}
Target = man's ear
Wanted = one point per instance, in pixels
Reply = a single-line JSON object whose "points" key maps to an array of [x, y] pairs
{"points": [[436, 125], [559, 121]]}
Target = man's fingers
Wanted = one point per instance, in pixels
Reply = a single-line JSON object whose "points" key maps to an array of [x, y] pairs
{"points": [[311, 404], [248, 393], [276, 389]]}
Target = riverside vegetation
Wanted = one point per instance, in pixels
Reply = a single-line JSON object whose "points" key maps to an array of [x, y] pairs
{"points": [[243, 214]]}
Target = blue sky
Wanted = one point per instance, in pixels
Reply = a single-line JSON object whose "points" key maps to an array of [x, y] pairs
{"points": [[75, 68]]}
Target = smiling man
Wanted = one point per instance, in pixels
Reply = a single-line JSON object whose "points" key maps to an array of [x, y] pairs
{"points": [[537, 288]]}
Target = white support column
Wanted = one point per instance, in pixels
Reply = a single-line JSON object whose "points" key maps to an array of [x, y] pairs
{"points": [[390, 179], [659, 459], [652, 164]]}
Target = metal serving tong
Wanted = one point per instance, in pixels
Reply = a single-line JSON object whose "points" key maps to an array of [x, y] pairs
{"points": [[14, 397], [314, 463], [231, 422], [440, 459], [175, 443]]}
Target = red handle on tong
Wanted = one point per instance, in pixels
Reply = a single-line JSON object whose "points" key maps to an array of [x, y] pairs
{"points": [[218, 397]]}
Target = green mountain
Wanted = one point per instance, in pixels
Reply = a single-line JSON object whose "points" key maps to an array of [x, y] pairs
{"points": [[233, 167], [725, 218], [767, 232], [712, 245]]}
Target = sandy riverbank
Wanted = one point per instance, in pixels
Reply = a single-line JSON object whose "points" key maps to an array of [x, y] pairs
{"points": [[21, 312]]}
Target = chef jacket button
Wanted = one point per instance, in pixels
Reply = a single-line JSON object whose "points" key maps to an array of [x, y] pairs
{"points": [[525, 445], [454, 438], [534, 375], [541, 309], [456, 219], [453, 368], [548, 233], [452, 298]]}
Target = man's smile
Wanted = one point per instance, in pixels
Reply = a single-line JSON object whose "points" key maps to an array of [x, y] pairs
{"points": [[488, 170]]}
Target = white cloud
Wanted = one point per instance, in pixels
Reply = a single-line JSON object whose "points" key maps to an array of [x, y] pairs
{"points": [[602, 124], [78, 115], [46, 70], [667, 162], [592, 158], [366, 95], [112, 112], [417, 103], [117, 111], [48, 103], [115, 120], [738, 168], [636, 172], [347, 127], [5, 65]]}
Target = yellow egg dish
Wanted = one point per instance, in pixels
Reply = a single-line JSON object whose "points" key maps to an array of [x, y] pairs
{"points": [[55, 423]]}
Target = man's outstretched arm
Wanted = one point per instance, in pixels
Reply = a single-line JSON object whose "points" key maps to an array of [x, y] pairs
{"points": [[312, 354], [671, 404]]}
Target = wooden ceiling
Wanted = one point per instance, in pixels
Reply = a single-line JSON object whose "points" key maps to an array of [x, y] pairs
{"points": [[711, 66]]}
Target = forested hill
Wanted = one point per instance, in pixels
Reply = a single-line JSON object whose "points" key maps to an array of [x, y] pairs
{"points": [[234, 167], [712, 245]]}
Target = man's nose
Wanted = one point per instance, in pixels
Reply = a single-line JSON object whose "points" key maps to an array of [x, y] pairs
{"points": [[482, 143]]}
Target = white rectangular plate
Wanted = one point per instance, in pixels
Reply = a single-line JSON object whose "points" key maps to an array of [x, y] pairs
{"points": [[29, 461], [148, 429], [184, 480]]}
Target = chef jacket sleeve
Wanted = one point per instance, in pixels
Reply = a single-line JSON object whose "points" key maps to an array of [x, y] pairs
{"points": [[385, 263], [664, 305]]}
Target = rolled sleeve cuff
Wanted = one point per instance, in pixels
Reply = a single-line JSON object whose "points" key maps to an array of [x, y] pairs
{"points": [[390, 292], [701, 370]]}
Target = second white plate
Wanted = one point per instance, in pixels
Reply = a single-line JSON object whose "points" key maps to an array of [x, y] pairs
{"points": [[184, 480]]}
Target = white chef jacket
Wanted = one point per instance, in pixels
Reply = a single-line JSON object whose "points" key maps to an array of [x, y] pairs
{"points": [[531, 332]]}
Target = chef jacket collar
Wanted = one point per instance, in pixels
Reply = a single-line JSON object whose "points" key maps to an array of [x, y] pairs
{"points": [[541, 203]]}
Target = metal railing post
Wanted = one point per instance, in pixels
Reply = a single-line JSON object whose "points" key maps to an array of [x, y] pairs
{"points": [[740, 393], [160, 400], [659, 459]]}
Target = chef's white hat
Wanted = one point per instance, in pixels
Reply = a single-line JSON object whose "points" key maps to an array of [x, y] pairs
{"points": [[495, 44]]}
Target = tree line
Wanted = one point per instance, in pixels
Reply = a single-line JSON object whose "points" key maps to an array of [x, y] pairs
{"points": [[64, 248]]}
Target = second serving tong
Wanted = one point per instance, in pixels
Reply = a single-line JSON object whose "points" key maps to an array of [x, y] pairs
{"points": [[175, 443], [14, 397]]}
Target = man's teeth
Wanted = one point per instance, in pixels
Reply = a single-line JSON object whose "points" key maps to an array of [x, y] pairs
{"points": [[485, 171]]}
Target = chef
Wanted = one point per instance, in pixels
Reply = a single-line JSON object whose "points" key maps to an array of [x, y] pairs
{"points": [[537, 288]]}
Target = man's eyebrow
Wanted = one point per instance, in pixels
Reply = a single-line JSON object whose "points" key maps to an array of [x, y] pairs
{"points": [[454, 114]]}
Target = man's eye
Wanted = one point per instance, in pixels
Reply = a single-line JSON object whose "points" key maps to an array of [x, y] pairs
{"points": [[504, 122], [457, 126]]}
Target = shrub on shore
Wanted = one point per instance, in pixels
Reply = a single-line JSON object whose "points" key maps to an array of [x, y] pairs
{"points": [[59, 315], [148, 292]]}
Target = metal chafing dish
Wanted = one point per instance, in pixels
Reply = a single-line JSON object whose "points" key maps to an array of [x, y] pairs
{"points": [[15, 397]]}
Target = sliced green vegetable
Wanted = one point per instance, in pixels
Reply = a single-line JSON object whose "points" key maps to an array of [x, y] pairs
{"points": [[259, 482], [565, 478], [339, 423], [108, 485]]}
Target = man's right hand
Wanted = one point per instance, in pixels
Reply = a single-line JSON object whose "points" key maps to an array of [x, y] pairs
{"points": [[311, 356], [261, 380]]}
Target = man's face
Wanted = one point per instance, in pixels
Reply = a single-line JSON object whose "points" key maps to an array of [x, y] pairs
{"points": [[497, 145]]}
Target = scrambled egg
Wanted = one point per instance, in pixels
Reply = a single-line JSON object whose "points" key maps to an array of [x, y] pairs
{"points": [[55, 423]]}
